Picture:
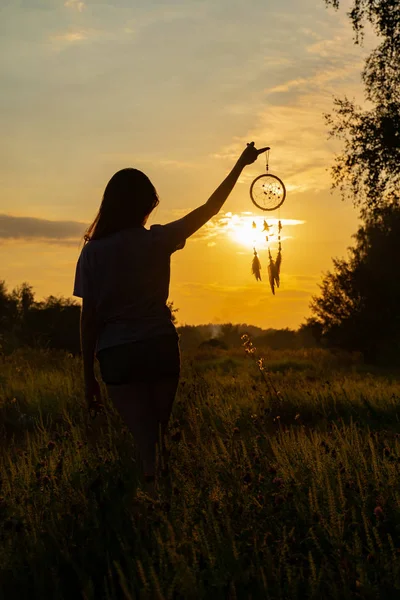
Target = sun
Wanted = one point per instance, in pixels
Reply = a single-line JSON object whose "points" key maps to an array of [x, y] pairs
{"points": [[241, 229], [249, 230]]}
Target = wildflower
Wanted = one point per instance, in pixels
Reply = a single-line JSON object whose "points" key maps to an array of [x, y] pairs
{"points": [[59, 466], [236, 430], [176, 436], [297, 416], [378, 511], [51, 445], [278, 481], [371, 557]]}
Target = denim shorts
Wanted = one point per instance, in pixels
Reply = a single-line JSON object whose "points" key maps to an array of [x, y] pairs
{"points": [[147, 360]]}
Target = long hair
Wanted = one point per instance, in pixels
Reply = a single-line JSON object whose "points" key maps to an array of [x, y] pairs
{"points": [[127, 202]]}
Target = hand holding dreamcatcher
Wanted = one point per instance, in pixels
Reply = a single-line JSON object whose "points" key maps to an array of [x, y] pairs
{"points": [[268, 193]]}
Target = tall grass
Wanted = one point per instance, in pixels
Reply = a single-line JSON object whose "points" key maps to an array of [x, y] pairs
{"points": [[294, 496]]}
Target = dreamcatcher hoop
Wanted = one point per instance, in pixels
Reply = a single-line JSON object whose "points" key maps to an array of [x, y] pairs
{"points": [[267, 191]]}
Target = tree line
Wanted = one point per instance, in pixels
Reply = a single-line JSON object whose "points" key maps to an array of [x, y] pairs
{"points": [[54, 323]]}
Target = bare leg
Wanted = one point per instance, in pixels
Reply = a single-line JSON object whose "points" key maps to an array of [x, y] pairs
{"points": [[136, 405], [144, 407], [163, 396]]}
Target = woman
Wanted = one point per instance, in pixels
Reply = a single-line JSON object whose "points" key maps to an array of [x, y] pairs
{"points": [[122, 276]]}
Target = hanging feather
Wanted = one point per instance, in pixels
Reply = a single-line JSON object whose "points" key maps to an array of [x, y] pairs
{"points": [[254, 225], [271, 272], [256, 266], [278, 263], [279, 226], [266, 226], [266, 238]]}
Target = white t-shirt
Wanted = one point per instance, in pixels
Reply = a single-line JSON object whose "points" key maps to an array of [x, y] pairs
{"points": [[126, 277]]}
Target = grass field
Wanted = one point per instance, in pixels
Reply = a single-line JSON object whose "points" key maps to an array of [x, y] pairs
{"points": [[280, 488]]}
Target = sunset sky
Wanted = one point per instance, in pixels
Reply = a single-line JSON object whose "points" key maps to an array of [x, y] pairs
{"points": [[175, 89]]}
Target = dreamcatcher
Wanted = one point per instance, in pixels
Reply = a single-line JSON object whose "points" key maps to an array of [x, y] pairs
{"points": [[268, 192]]}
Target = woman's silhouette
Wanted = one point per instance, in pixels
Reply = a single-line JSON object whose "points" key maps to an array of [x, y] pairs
{"points": [[122, 276]]}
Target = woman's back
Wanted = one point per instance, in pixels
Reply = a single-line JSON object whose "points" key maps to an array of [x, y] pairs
{"points": [[125, 276]]}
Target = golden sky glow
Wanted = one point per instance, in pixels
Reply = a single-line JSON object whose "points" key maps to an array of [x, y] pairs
{"points": [[176, 89]]}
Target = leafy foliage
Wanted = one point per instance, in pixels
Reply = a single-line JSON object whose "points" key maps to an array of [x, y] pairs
{"points": [[358, 305], [53, 323], [368, 169]]}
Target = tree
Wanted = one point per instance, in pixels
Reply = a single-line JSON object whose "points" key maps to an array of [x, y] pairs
{"points": [[24, 298], [358, 305], [8, 319], [53, 323], [368, 169], [230, 335], [173, 310], [190, 337], [8, 309]]}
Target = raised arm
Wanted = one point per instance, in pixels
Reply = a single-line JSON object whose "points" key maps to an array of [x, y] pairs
{"points": [[190, 223]]}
